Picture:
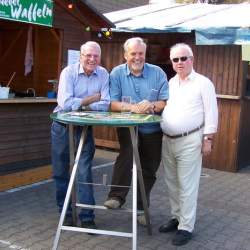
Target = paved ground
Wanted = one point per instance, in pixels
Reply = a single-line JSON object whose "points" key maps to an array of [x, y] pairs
{"points": [[28, 217]]}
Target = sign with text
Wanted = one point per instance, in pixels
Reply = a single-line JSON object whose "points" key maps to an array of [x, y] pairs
{"points": [[28, 11]]}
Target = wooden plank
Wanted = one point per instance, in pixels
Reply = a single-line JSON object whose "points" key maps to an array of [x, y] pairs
{"points": [[16, 144], [215, 68], [237, 61], [107, 143], [243, 159], [27, 156], [25, 177], [231, 79], [226, 64], [233, 136], [24, 132], [199, 59], [225, 144], [210, 62], [219, 78]]}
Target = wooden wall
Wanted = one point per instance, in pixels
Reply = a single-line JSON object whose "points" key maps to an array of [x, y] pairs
{"points": [[74, 33], [226, 141], [222, 65], [24, 135], [244, 137]]}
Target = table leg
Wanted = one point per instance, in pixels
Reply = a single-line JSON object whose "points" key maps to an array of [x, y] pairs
{"points": [[140, 178], [70, 187], [134, 207], [72, 159]]}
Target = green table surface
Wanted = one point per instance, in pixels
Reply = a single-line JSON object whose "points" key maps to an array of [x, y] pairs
{"points": [[104, 118]]}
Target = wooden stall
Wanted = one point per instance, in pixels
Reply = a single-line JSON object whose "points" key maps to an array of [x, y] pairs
{"points": [[25, 122], [224, 66]]}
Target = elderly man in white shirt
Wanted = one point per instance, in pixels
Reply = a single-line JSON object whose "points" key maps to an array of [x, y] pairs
{"points": [[189, 121]]}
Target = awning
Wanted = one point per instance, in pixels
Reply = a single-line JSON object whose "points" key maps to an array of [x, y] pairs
{"points": [[212, 24]]}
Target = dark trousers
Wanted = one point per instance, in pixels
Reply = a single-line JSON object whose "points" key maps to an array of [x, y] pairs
{"points": [[149, 147]]}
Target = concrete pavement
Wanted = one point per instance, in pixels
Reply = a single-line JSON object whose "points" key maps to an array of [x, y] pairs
{"points": [[29, 218]]}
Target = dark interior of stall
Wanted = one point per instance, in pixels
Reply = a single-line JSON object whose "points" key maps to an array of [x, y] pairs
{"points": [[45, 49]]}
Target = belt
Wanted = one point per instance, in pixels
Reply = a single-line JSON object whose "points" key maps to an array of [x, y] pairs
{"points": [[185, 133]]}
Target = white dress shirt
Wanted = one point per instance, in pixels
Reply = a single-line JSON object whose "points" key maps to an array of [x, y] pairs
{"points": [[191, 103]]}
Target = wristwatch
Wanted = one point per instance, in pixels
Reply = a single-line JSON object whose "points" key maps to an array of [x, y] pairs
{"points": [[85, 108]]}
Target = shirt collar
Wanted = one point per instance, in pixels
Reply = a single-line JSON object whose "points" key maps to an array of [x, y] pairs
{"points": [[81, 70], [190, 77], [143, 74]]}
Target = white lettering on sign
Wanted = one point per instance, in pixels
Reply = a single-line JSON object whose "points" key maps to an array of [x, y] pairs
{"points": [[30, 13]]}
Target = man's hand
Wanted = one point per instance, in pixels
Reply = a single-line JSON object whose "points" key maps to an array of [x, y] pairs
{"points": [[90, 99], [206, 147], [143, 107]]}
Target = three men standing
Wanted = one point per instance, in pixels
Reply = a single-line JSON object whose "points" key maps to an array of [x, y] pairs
{"points": [[190, 119]]}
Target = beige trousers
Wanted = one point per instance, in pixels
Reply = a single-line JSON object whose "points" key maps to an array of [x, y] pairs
{"points": [[182, 159]]}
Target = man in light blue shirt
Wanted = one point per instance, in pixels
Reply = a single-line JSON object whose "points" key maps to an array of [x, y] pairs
{"points": [[147, 86], [81, 85]]}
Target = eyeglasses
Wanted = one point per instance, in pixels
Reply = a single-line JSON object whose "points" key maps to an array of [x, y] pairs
{"points": [[90, 55], [182, 59]]}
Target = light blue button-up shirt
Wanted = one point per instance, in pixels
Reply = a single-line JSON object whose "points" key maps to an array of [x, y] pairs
{"points": [[74, 85], [151, 85]]}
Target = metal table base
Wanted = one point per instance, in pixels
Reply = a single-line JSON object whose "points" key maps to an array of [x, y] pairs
{"points": [[137, 173]]}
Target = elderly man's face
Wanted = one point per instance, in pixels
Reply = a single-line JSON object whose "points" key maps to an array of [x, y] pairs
{"points": [[182, 61], [135, 57], [90, 58]]}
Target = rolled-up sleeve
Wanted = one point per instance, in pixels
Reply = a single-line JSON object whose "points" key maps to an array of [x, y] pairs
{"points": [[164, 90], [115, 86]]}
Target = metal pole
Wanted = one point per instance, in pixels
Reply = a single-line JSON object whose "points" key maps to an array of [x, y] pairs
{"points": [[134, 227], [71, 160], [70, 187], [140, 179]]}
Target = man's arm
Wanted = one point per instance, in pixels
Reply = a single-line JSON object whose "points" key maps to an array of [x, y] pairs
{"points": [[144, 107], [210, 116]]}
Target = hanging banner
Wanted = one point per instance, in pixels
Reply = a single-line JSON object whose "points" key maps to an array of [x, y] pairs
{"points": [[28, 11]]}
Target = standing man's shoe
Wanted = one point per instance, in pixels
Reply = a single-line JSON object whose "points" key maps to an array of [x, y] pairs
{"points": [[89, 225], [68, 221], [171, 226], [141, 219], [182, 237], [112, 203]]}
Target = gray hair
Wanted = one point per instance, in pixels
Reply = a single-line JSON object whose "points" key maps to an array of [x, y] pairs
{"points": [[90, 44], [184, 46], [133, 40]]}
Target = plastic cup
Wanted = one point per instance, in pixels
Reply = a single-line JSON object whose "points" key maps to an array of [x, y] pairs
{"points": [[126, 105], [4, 92]]}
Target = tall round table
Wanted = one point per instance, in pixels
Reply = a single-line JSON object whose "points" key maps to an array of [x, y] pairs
{"points": [[114, 119]]}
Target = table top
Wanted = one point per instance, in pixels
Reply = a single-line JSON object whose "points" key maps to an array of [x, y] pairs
{"points": [[104, 118]]}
